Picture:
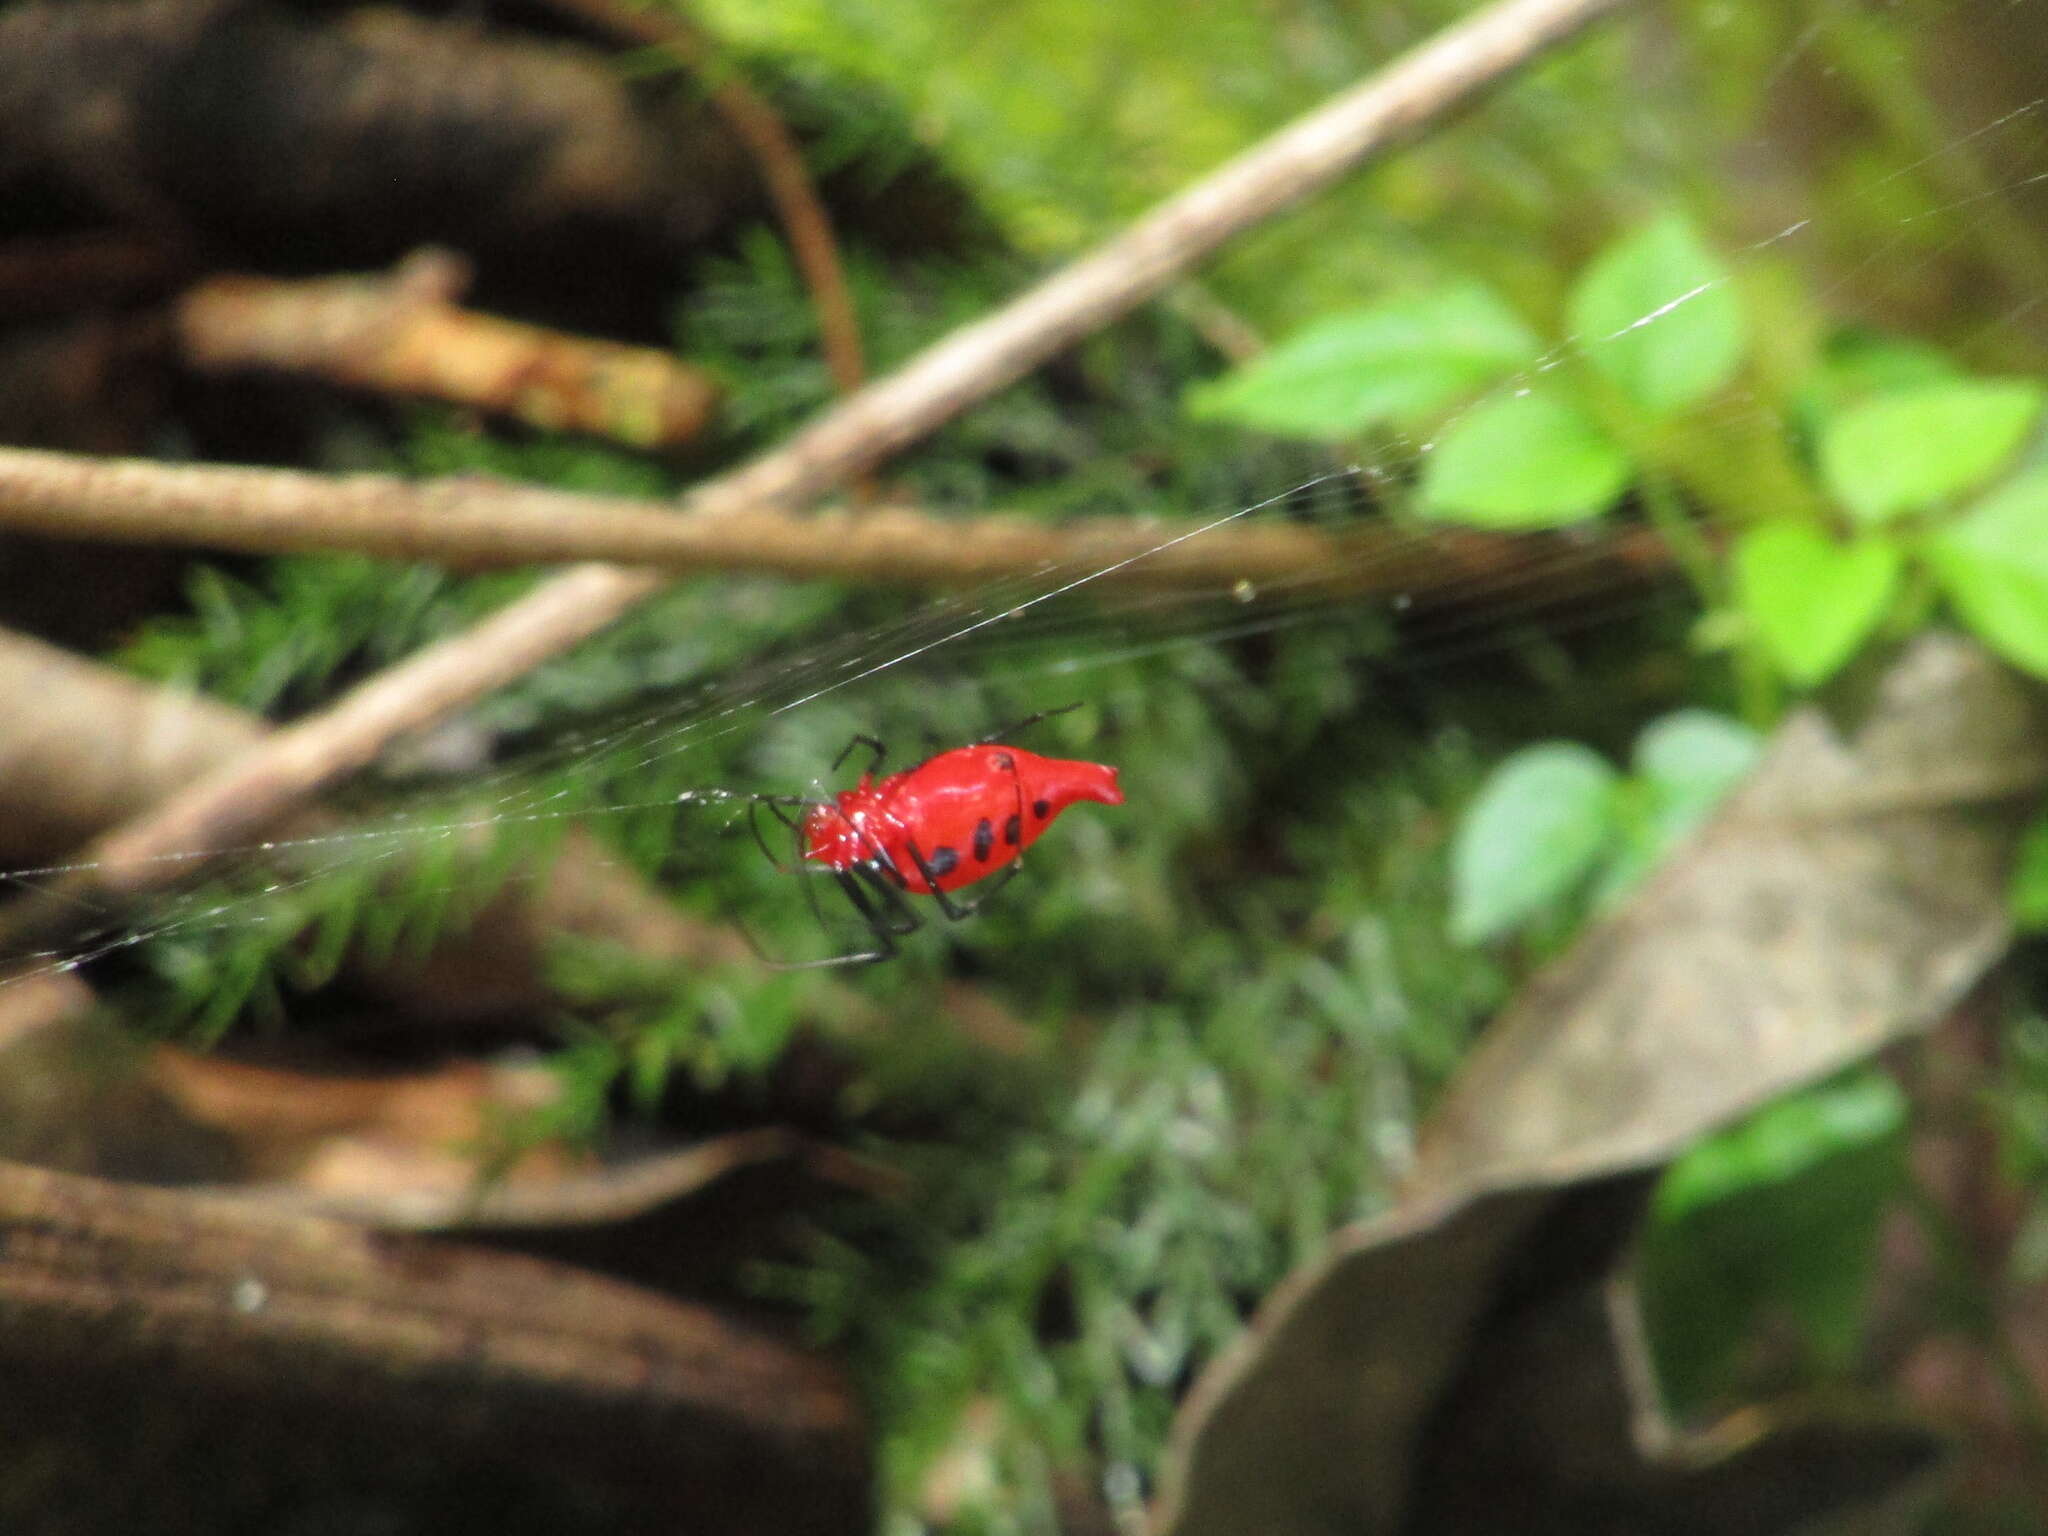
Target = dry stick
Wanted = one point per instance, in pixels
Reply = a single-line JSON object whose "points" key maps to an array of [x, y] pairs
{"points": [[756, 124], [967, 366], [405, 333], [475, 523], [979, 359]]}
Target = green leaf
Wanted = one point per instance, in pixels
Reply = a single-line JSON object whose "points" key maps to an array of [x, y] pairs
{"points": [[1657, 314], [1690, 759], [1398, 361], [649, 1059], [1820, 1168], [1993, 563], [1812, 601], [1783, 1140], [1695, 755], [1527, 460], [1856, 364], [1684, 765], [1915, 448], [1532, 832], [2030, 879]]}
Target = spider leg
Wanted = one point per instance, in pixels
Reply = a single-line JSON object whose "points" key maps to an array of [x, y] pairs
{"points": [[900, 916], [778, 806], [957, 911], [754, 826], [879, 924], [1027, 722], [886, 920], [885, 933], [872, 744]]}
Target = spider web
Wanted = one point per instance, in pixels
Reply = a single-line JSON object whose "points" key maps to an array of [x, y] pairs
{"points": [[1904, 213], [1015, 636]]}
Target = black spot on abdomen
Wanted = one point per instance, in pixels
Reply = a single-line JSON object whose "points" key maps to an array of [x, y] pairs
{"points": [[984, 840], [1041, 809], [943, 861], [1013, 829]]}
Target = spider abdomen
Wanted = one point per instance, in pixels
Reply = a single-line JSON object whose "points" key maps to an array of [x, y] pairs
{"points": [[955, 818]]}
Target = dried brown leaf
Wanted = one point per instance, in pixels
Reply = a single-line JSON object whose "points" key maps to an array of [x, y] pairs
{"points": [[1844, 898]]}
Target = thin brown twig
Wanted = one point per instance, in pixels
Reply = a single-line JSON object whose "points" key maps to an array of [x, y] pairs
{"points": [[403, 333], [976, 360], [756, 124], [969, 365], [475, 524]]}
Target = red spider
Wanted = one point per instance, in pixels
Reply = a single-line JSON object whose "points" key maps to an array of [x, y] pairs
{"points": [[954, 819]]}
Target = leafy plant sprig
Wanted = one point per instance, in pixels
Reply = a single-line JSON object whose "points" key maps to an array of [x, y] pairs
{"points": [[1918, 483], [1558, 817], [1515, 434]]}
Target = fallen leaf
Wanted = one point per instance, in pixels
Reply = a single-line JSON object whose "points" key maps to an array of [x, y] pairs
{"points": [[1412, 1380]]}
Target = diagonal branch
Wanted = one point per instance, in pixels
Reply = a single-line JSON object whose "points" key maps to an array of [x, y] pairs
{"points": [[970, 365], [83, 746], [1416, 90]]}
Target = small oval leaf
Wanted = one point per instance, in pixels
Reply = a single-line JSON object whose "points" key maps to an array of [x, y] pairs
{"points": [[1811, 600], [1394, 362], [1916, 448], [1685, 764], [1527, 460], [1993, 564], [1657, 314], [1532, 832], [1689, 760]]}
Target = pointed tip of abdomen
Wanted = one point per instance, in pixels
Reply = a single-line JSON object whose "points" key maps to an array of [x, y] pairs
{"points": [[1104, 787]]}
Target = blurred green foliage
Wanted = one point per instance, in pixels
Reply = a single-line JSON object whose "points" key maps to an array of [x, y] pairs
{"points": [[1556, 817], [1772, 1223], [1656, 330], [2030, 879], [2020, 1102]]}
